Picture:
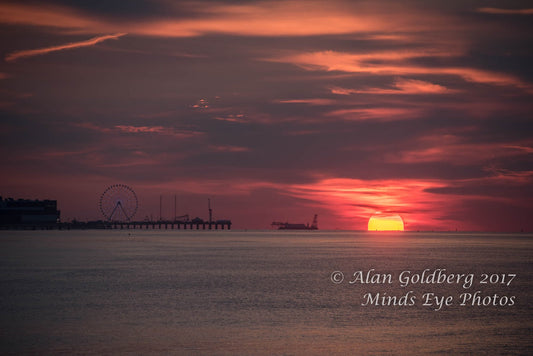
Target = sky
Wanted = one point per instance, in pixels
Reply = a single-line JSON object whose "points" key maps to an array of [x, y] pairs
{"points": [[275, 110]]}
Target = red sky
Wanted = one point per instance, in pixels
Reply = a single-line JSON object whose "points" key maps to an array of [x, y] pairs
{"points": [[276, 110]]}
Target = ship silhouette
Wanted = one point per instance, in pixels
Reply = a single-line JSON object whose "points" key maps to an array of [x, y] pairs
{"points": [[289, 226]]}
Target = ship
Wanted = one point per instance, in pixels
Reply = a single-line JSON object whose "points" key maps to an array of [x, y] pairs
{"points": [[289, 226]]}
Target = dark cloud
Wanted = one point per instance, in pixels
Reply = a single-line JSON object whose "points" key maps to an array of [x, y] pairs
{"points": [[116, 8]]}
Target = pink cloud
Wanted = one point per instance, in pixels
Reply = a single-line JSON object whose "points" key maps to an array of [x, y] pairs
{"points": [[402, 86], [382, 62], [36, 52], [262, 18], [355, 200], [272, 18], [453, 149], [486, 77], [377, 113], [398, 63], [413, 86]]}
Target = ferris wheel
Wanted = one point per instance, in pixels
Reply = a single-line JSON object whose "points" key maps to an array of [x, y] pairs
{"points": [[118, 203]]}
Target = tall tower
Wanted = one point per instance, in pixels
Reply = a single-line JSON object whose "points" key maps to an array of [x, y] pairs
{"points": [[314, 226], [160, 207], [210, 210]]}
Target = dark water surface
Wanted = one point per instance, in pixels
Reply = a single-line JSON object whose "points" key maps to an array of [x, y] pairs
{"points": [[260, 293]]}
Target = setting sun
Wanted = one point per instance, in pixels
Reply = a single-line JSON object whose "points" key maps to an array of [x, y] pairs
{"points": [[385, 222]]}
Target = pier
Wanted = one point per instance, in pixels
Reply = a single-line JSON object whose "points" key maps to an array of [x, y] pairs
{"points": [[118, 204], [195, 224], [170, 225]]}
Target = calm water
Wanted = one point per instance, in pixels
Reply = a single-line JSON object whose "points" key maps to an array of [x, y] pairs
{"points": [[257, 293]]}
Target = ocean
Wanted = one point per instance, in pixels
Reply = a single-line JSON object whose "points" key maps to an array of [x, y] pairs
{"points": [[265, 293]]}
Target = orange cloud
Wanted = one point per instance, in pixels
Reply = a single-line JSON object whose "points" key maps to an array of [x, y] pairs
{"points": [[378, 113], [403, 86], [263, 18], [273, 18], [413, 86], [382, 62], [486, 77], [453, 149], [396, 63], [497, 11], [35, 52]]}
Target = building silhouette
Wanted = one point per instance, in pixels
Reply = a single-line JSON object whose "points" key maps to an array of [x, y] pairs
{"points": [[28, 212]]}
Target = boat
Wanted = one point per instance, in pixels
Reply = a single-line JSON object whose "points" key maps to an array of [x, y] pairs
{"points": [[289, 226]]}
